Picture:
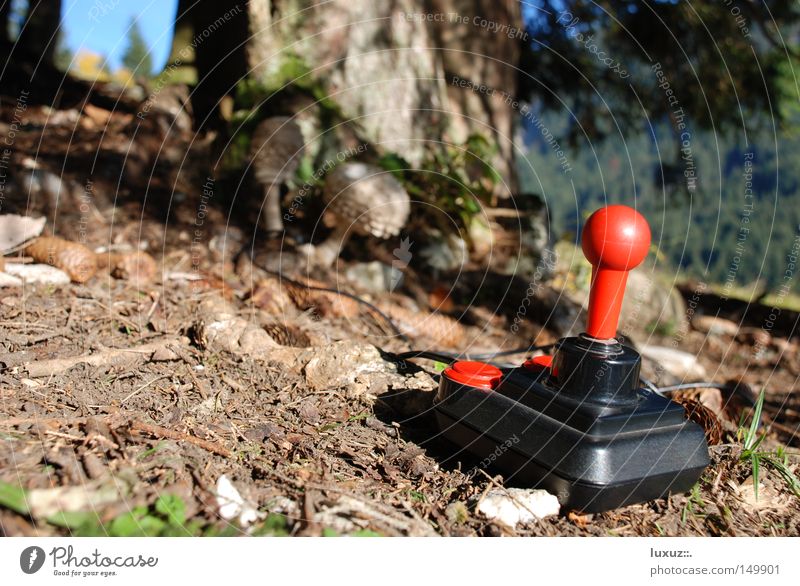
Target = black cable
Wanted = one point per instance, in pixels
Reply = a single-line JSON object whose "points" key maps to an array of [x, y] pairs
{"points": [[522, 350], [355, 298], [694, 385], [441, 356], [650, 385], [449, 357]]}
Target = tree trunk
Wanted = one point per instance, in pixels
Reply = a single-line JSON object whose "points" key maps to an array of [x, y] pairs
{"points": [[181, 66], [480, 43], [209, 51], [375, 65], [386, 66], [36, 44], [5, 12], [387, 73]]}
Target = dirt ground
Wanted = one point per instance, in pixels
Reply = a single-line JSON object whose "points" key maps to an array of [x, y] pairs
{"points": [[197, 376], [321, 453]]}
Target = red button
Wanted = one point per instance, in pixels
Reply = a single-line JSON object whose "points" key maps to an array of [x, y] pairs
{"points": [[474, 374], [540, 363]]}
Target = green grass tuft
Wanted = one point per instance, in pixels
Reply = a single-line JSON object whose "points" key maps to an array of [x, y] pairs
{"points": [[777, 460]]}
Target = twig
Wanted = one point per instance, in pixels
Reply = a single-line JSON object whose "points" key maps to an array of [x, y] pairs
{"points": [[156, 296], [109, 357], [18, 260], [142, 387], [118, 316], [781, 427], [68, 436], [17, 421], [72, 309], [260, 466], [199, 385], [134, 425], [25, 325], [158, 431], [231, 383]]}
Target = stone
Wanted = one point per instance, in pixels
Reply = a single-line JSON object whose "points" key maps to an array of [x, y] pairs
{"points": [[340, 365], [359, 370], [222, 330], [444, 253], [10, 281], [715, 326], [232, 505], [15, 230], [679, 366], [651, 306], [517, 506], [375, 276], [36, 273]]}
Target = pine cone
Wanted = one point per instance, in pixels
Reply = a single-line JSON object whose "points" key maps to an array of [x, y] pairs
{"points": [[73, 258], [368, 198], [276, 148], [704, 417], [288, 335], [131, 266], [325, 303], [442, 329], [271, 296]]}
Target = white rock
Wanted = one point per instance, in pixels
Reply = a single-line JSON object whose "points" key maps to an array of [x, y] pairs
{"points": [[181, 276], [15, 229], [377, 277], [9, 281], [709, 324], [223, 330], [38, 273], [233, 506], [514, 506], [341, 363], [679, 364], [445, 253], [46, 502]]}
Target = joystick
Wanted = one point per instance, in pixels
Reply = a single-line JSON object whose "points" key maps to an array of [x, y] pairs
{"points": [[579, 423], [615, 240]]}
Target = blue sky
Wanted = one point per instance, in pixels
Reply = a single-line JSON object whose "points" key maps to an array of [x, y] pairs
{"points": [[101, 26]]}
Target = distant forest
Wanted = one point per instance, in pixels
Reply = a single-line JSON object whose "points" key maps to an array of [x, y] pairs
{"points": [[735, 220]]}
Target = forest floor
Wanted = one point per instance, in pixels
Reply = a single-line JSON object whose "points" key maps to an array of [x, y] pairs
{"points": [[127, 408]]}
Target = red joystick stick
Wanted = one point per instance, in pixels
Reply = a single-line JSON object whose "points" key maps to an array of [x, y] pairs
{"points": [[615, 240]]}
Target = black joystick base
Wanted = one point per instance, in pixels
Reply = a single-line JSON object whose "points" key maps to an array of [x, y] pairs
{"points": [[579, 426]]}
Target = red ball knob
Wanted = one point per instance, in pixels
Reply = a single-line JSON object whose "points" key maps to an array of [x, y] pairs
{"points": [[615, 240]]}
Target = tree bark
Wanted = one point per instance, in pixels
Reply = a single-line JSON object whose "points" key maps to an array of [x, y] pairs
{"points": [[209, 51], [5, 11], [389, 66], [37, 40], [181, 66], [480, 43]]}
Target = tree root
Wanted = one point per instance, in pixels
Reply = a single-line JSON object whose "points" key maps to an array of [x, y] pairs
{"points": [[161, 350], [163, 432]]}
